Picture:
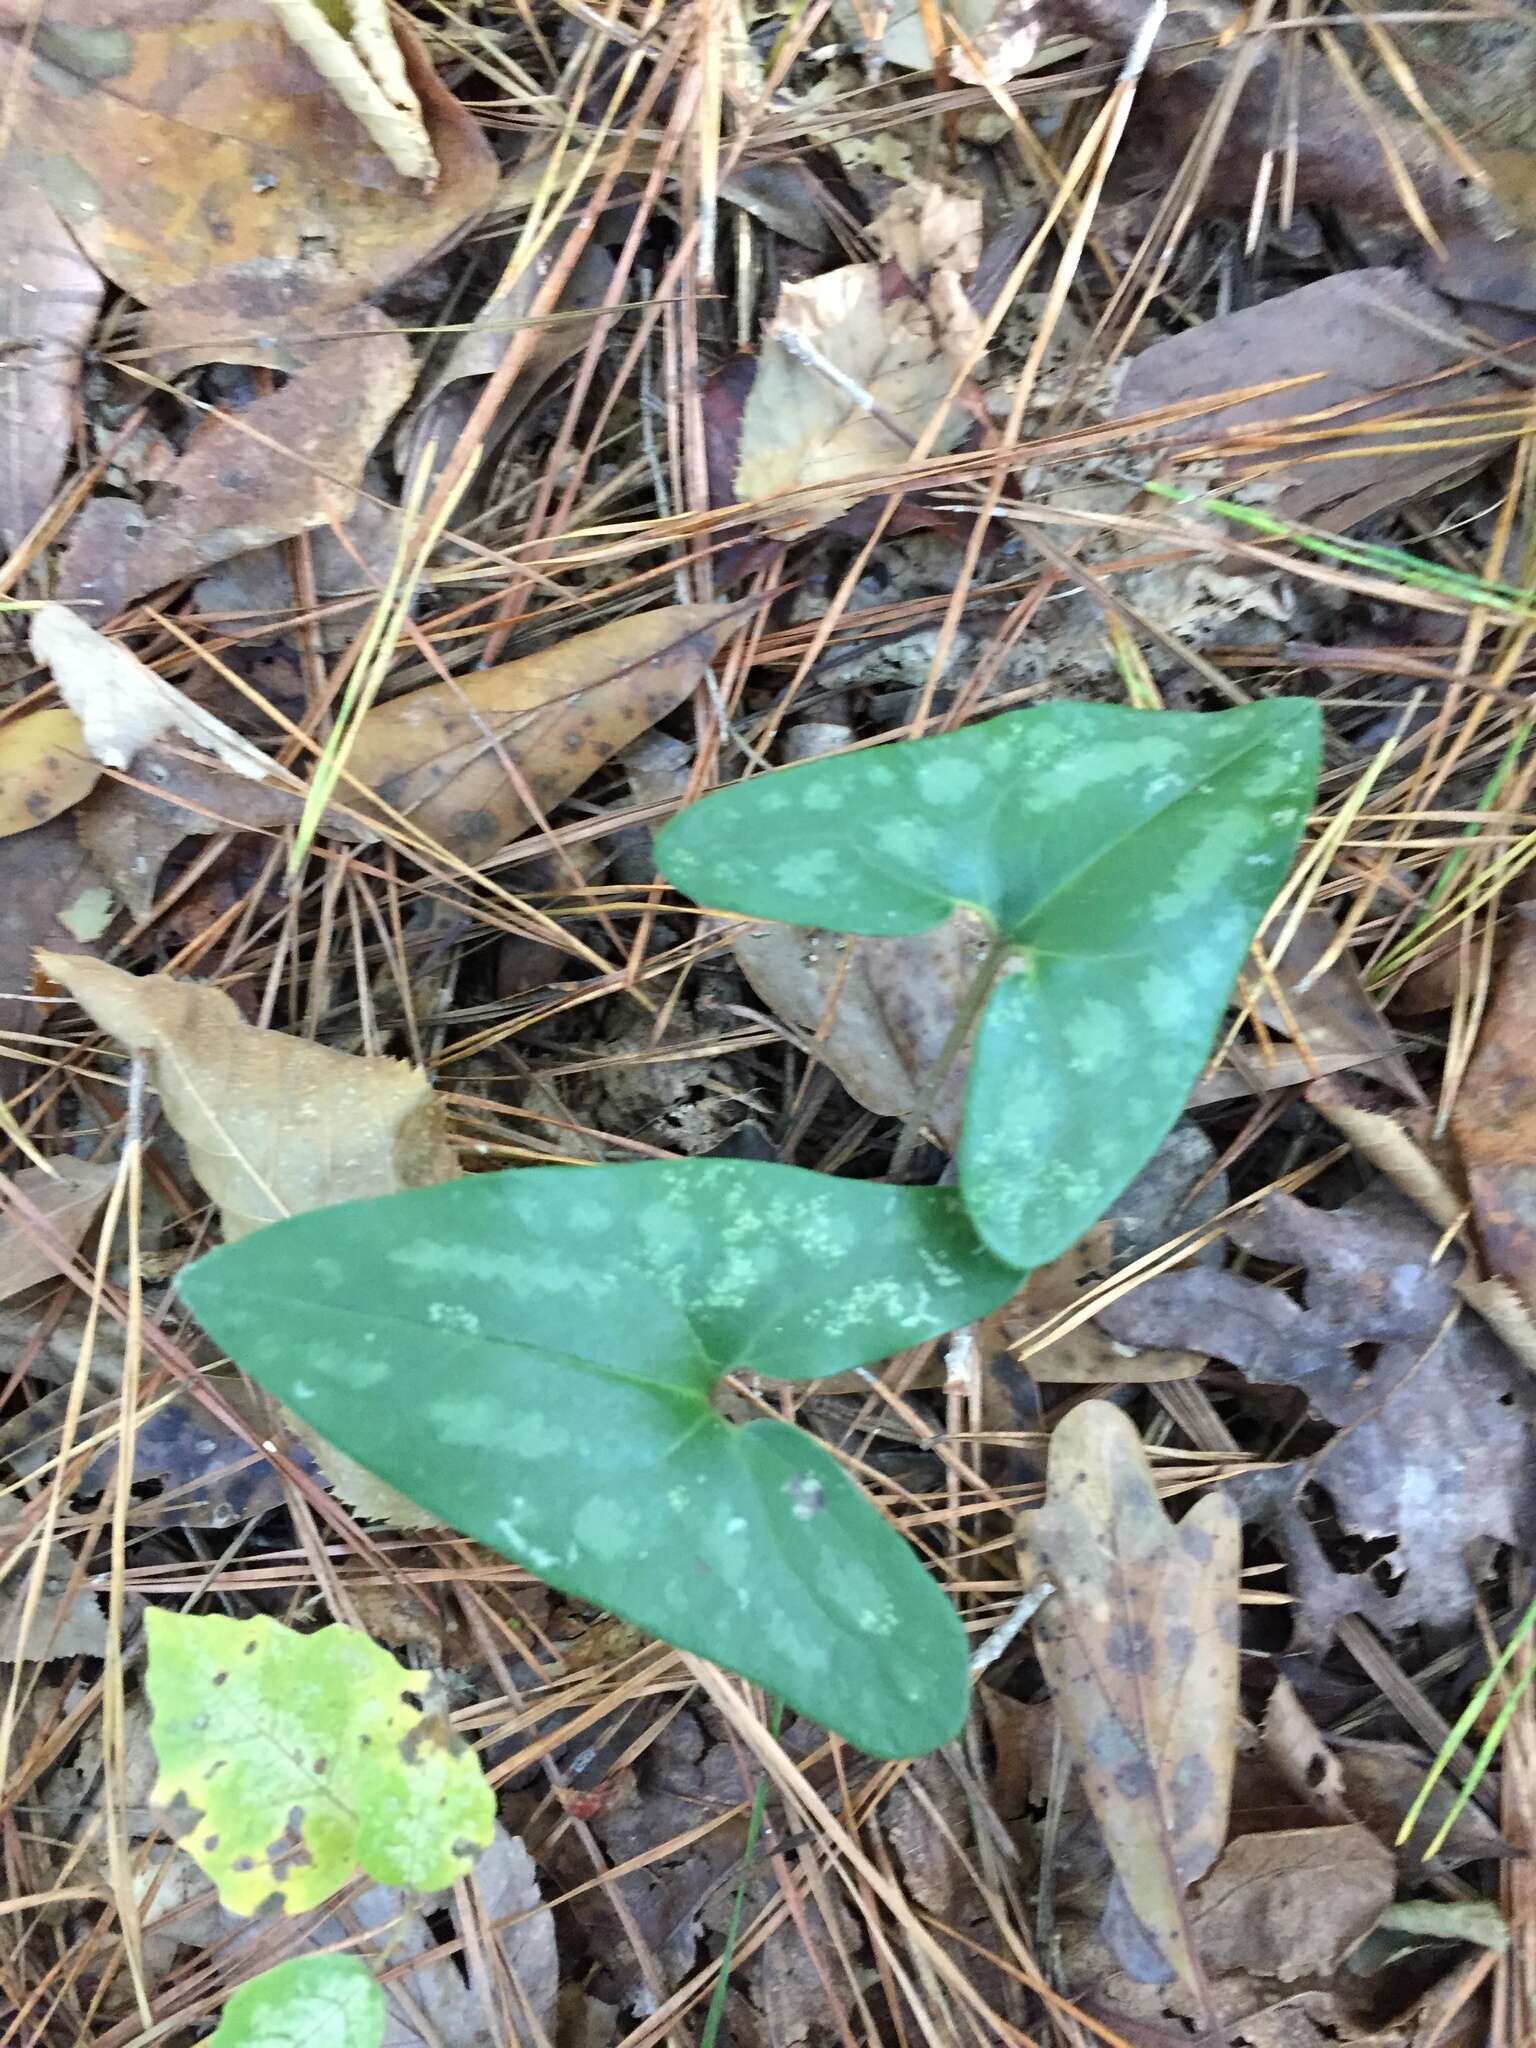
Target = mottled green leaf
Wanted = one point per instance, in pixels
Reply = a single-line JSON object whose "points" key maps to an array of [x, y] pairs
{"points": [[311, 2002], [294, 1761], [1125, 858], [531, 1355]]}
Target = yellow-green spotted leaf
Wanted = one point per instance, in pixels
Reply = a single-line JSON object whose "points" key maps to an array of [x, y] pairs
{"points": [[1124, 859], [290, 1762], [311, 2002]]}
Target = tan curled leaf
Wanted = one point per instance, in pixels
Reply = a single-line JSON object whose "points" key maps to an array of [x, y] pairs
{"points": [[69, 1198], [928, 226], [365, 71], [439, 755], [846, 383], [121, 705], [44, 769], [273, 1125], [1139, 1646]]}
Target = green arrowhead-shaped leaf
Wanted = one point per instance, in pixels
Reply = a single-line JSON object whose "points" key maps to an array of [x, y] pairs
{"points": [[304, 1760], [531, 1355], [311, 2002], [1126, 858]]}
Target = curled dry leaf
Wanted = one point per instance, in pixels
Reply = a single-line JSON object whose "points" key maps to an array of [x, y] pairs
{"points": [[1330, 1018], [440, 755], [273, 1125], [44, 769], [50, 294], [1139, 1645], [1360, 339], [121, 705], [847, 381], [363, 66]]}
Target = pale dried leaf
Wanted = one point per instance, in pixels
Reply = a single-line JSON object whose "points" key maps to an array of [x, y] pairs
{"points": [[50, 294], [44, 769], [1007, 46], [928, 226], [439, 755], [69, 1198], [65, 1622], [1087, 1355], [122, 705], [1293, 1743], [1139, 1645], [1292, 1903], [273, 1125], [846, 383]]}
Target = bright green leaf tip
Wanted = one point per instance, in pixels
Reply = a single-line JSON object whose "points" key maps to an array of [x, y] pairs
{"points": [[311, 2002], [531, 1356], [1128, 858]]}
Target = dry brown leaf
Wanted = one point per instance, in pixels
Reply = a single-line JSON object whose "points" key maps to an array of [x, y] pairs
{"points": [[443, 409], [1294, 1744], [1088, 1355], [45, 768], [930, 227], [194, 151], [439, 755], [69, 1198], [1357, 336], [121, 705], [1139, 1644], [50, 295], [1292, 1903], [273, 1125], [65, 1623], [846, 383], [1494, 1121], [48, 893], [1335, 1024], [364, 69], [290, 461]]}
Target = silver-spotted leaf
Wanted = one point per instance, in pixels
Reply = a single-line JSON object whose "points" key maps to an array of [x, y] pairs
{"points": [[531, 1355], [298, 1760], [1126, 858], [310, 2002]]}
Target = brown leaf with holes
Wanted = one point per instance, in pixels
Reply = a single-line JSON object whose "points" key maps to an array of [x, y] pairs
{"points": [[440, 755], [1432, 1442], [1139, 1645], [1494, 1120]]}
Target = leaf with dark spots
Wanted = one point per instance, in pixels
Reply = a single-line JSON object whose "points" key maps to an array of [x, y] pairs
{"points": [[1139, 1646], [440, 755], [1433, 1423]]}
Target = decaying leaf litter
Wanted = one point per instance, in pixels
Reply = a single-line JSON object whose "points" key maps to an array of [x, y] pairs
{"points": [[594, 406]]}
